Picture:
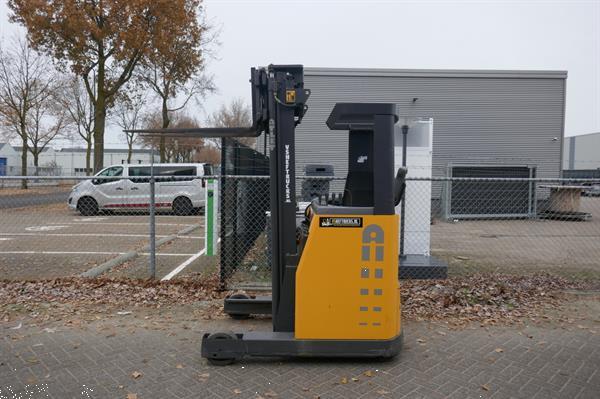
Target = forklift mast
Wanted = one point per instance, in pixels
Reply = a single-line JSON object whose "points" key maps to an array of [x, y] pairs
{"points": [[278, 106], [288, 106]]}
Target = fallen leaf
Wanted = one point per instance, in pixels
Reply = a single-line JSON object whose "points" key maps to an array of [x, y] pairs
{"points": [[382, 392], [17, 326], [441, 333], [132, 396], [124, 313], [136, 374], [498, 350], [368, 373], [421, 340], [204, 375], [179, 366], [485, 387], [237, 391], [344, 380], [354, 379]]}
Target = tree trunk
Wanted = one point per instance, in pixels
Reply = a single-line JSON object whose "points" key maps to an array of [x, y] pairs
{"points": [[99, 122], [88, 156], [24, 158], [36, 161], [129, 150], [165, 124]]}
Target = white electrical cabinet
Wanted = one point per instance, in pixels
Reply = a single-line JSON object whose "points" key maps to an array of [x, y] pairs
{"points": [[417, 221]]}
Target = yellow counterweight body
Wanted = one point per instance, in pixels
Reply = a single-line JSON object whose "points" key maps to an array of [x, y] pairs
{"points": [[347, 279]]}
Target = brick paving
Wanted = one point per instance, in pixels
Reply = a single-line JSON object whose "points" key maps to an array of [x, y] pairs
{"points": [[97, 361]]}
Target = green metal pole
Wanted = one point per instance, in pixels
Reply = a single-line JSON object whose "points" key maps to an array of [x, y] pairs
{"points": [[209, 217]]}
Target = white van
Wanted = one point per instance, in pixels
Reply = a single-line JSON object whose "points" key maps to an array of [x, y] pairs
{"points": [[183, 195]]}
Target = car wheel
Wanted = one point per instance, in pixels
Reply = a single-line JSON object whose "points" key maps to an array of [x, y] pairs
{"points": [[182, 206], [87, 206]]}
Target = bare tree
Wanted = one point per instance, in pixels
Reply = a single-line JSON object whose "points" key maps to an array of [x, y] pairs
{"points": [[235, 114], [167, 88], [128, 115], [80, 109], [107, 39], [46, 122], [175, 149], [176, 73], [24, 83], [208, 154]]}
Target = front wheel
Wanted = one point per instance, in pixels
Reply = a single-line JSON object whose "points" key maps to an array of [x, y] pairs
{"points": [[221, 361], [87, 206], [182, 206]]}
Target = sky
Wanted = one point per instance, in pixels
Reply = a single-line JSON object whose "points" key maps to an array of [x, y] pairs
{"points": [[539, 35]]}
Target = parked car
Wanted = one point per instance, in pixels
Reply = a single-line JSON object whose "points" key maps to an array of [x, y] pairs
{"points": [[592, 190], [179, 188]]}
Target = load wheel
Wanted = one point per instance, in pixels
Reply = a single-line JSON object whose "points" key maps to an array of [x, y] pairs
{"points": [[182, 206], [221, 336], [239, 316], [87, 206]]}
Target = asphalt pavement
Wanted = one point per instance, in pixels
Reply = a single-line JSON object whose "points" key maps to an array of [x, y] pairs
{"points": [[24, 200]]}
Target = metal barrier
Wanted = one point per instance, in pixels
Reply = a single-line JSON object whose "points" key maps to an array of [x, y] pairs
{"points": [[485, 224], [136, 227], [475, 228]]}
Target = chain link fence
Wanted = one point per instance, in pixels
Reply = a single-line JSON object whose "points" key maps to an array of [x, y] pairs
{"points": [[452, 226], [105, 226], [70, 225]]}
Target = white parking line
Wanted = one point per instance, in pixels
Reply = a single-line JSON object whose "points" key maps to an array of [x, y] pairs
{"points": [[122, 224], [80, 253], [45, 228], [185, 264], [165, 254], [95, 235]]}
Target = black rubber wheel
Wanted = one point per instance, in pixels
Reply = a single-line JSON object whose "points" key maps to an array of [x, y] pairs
{"points": [[221, 336], [239, 316], [182, 206], [87, 206]]}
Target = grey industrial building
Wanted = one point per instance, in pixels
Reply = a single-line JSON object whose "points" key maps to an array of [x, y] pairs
{"points": [[480, 117], [582, 152]]}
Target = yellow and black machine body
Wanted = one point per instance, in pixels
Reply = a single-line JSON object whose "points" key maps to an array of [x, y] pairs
{"points": [[335, 289]]}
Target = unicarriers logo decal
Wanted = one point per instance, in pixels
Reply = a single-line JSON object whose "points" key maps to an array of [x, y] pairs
{"points": [[340, 222]]}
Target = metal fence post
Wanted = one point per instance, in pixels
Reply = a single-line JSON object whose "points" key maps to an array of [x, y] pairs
{"points": [[152, 265]]}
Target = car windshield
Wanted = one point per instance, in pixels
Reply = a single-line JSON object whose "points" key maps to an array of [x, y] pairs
{"points": [[113, 171]]}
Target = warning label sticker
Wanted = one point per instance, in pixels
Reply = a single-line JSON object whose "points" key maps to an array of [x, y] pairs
{"points": [[340, 222]]}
